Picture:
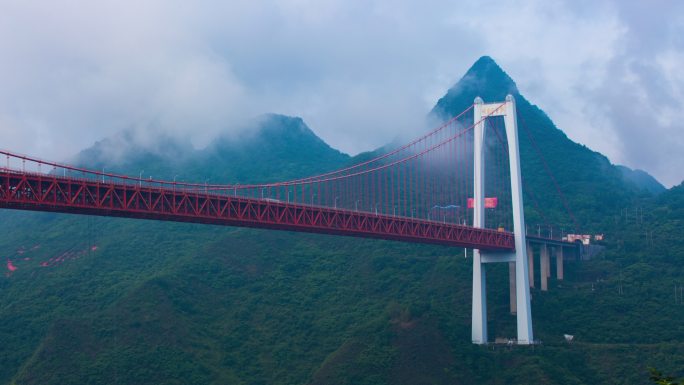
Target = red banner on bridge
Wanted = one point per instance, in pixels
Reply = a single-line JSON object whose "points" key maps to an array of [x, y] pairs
{"points": [[490, 203]]}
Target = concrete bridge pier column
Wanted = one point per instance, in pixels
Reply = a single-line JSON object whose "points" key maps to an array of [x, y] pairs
{"points": [[544, 267], [530, 263], [559, 263]]}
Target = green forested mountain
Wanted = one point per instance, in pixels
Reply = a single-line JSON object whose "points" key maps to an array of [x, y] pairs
{"points": [[143, 302]]}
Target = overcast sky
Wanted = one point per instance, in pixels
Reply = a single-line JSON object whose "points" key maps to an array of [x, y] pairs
{"points": [[360, 73]]}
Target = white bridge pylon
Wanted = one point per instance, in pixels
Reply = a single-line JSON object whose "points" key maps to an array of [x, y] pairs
{"points": [[481, 258]]}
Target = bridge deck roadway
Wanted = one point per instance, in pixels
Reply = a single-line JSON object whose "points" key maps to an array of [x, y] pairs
{"points": [[52, 193]]}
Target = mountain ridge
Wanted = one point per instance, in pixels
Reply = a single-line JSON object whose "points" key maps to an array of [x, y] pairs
{"points": [[485, 78], [280, 139], [642, 179]]}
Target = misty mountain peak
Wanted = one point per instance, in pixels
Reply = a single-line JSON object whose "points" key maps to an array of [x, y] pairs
{"points": [[283, 124], [485, 79], [269, 130], [486, 70], [272, 142], [130, 146]]}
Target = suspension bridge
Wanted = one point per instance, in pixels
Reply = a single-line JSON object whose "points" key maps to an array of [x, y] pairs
{"points": [[431, 190]]}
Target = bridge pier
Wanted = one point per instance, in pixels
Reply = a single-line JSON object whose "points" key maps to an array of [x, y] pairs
{"points": [[544, 266], [559, 263], [530, 263], [548, 262]]}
